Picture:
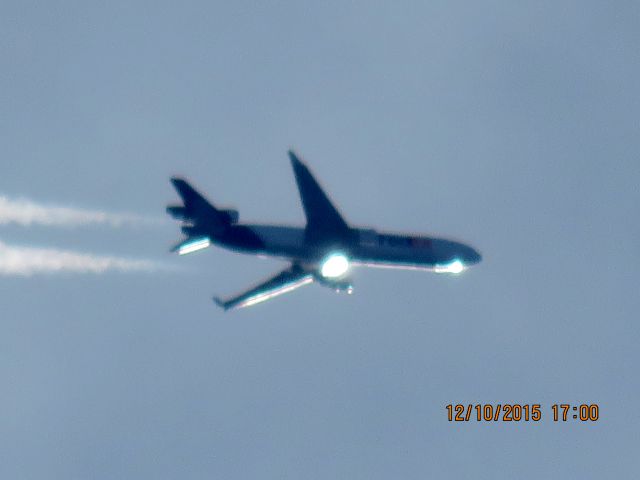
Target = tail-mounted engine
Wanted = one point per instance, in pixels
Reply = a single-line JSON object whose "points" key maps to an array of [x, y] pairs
{"points": [[230, 215]]}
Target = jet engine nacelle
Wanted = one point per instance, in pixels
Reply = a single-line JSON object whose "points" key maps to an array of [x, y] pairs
{"points": [[231, 215], [339, 286]]}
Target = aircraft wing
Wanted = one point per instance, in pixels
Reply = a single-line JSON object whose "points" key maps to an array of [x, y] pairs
{"points": [[323, 219], [289, 279]]}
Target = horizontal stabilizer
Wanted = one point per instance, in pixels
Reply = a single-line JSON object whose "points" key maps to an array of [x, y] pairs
{"points": [[191, 245]]}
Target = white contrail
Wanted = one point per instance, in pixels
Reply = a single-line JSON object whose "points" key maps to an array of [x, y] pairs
{"points": [[25, 261], [25, 212]]}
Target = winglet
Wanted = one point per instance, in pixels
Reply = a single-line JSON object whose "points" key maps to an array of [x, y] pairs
{"points": [[221, 303]]}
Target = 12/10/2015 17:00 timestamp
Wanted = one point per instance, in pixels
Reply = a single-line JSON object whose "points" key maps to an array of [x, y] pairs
{"points": [[516, 412]]}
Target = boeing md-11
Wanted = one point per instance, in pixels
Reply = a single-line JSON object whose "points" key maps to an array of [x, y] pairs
{"points": [[323, 251]]}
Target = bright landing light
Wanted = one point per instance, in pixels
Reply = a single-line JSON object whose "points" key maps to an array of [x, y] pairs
{"points": [[454, 267], [334, 266], [194, 245]]}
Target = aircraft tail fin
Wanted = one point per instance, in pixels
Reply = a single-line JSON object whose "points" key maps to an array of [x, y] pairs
{"points": [[201, 219], [194, 203]]}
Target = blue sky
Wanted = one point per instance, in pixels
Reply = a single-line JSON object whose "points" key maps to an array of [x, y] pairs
{"points": [[512, 126]]}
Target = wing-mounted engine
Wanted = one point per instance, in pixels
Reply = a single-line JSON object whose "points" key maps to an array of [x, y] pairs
{"points": [[333, 272], [342, 285]]}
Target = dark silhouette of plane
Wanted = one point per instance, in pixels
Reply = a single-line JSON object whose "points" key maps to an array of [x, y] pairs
{"points": [[323, 251]]}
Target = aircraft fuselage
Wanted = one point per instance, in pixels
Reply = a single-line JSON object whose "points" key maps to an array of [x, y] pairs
{"points": [[365, 247]]}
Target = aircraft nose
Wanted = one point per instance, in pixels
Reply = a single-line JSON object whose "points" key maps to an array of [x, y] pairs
{"points": [[473, 257]]}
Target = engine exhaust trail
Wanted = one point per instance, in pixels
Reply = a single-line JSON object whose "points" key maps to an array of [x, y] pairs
{"points": [[27, 213], [25, 261]]}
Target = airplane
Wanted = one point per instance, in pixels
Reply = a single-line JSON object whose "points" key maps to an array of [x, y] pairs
{"points": [[322, 251]]}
